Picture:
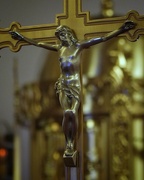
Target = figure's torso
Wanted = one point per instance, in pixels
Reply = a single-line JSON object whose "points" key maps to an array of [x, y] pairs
{"points": [[69, 61]]}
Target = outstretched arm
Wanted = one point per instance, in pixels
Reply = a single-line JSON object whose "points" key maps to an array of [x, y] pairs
{"points": [[18, 36], [125, 27]]}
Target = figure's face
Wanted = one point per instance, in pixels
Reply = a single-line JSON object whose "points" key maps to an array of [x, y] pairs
{"points": [[65, 37]]}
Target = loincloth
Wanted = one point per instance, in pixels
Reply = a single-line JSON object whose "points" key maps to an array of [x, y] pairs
{"points": [[70, 90]]}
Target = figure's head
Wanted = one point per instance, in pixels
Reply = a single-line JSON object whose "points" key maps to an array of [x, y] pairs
{"points": [[64, 34]]}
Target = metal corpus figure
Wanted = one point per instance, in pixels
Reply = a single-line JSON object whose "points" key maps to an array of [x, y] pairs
{"points": [[68, 85]]}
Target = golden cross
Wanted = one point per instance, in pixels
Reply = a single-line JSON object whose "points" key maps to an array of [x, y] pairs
{"points": [[84, 27], [75, 19]]}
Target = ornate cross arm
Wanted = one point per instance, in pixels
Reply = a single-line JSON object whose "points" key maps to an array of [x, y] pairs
{"points": [[45, 33], [103, 26], [84, 27]]}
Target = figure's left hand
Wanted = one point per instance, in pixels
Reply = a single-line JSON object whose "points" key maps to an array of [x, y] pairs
{"points": [[129, 25]]}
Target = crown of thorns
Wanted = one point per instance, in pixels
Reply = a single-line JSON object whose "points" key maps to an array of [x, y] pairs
{"points": [[63, 28]]}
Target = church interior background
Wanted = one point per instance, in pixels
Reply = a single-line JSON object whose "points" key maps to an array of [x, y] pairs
{"points": [[31, 138]]}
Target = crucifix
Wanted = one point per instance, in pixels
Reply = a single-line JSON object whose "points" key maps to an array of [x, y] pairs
{"points": [[69, 86]]}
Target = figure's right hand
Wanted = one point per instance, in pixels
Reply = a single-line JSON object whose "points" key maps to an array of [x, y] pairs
{"points": [[16, 35]]}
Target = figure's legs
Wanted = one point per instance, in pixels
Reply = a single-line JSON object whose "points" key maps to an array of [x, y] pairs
{"points": [[70, 125], [70, 121]]}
